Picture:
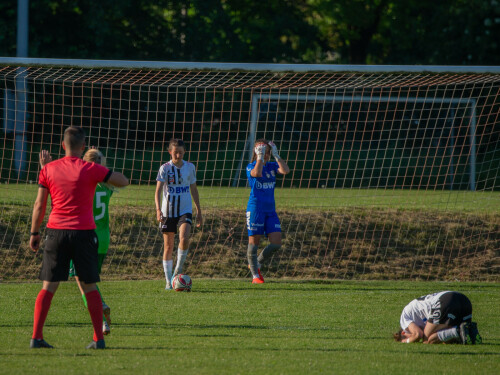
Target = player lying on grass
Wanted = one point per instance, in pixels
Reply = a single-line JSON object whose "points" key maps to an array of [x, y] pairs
{"points": [[176, 184], [70, 234], [262, 218], [102, 196], [439, 317]]}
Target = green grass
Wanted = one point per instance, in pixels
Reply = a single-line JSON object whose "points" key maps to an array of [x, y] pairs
{"points": [[230, 327], [322, 199]]}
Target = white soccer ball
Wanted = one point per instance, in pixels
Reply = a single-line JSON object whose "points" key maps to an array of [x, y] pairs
{"points": [[182, 283]]}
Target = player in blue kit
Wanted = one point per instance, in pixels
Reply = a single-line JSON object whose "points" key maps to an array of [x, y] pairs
{"points": [[261, 209]]}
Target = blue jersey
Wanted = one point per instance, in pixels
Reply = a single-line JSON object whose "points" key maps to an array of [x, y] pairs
{"points": [[262, 193]]}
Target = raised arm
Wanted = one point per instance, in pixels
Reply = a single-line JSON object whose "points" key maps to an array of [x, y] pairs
{"points": [[283, 166], [45, 158], [260, 151], [117, 179]]}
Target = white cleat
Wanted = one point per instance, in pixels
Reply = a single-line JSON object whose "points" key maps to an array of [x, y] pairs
{"points": [[107, 313], [105, 328]]}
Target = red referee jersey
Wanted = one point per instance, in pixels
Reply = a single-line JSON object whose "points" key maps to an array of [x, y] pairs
{"points": [[71, 183]]}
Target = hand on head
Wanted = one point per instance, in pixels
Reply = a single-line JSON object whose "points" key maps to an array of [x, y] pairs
{"points": [[274, 150], [260, 150]]}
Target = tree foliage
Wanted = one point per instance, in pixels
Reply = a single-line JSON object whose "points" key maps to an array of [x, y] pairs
{"points": [[296, 31]]}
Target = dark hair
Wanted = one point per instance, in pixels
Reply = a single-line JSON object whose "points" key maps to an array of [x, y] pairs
{"points": [[74, 137], [176, 142], [260, 140], [398, 336]]}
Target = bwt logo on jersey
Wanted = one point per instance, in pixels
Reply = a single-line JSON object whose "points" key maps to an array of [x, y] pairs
{"points": [[178, 189], [265, 185]]}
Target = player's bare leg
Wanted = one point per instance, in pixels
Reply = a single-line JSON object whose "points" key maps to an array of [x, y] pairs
{"points": [[168, 248]]}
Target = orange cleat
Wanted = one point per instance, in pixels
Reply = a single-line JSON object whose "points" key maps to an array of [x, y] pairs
{"points": [[257, 280], [260, 275]]}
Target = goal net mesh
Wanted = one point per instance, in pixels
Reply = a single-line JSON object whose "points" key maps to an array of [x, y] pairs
{"points": [[393, 175]]}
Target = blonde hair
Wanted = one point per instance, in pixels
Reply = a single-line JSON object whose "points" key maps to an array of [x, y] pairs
{"points": [[94, 156]]}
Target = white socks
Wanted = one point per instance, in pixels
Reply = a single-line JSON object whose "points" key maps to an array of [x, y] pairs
{"points": [[181, 258], [448, 334], [167, 268]]}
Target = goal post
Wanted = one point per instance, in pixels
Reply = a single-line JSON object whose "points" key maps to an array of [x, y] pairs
{"points": [[395, 170], [258, 98]]}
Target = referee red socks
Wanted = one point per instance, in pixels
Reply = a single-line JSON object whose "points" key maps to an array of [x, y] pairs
{"points": [[94, 303], [42, 306]]}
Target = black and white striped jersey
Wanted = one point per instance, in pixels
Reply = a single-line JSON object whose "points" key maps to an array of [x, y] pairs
{"points": [[420, 310], [176, 192]]}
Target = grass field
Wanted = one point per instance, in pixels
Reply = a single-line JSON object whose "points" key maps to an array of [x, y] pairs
{"points": [[234, 327], [322, 199]]}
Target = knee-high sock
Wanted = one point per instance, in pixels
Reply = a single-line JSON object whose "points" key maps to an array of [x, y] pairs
{"points": [[95, 309], [252, 260], [42, 306], [181, 258], [167, 268], [448, 334], [85, 300], [268, 252]]}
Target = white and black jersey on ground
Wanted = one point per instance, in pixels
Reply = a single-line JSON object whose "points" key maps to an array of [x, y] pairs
{"points": [[445, 307], [176, 189]]}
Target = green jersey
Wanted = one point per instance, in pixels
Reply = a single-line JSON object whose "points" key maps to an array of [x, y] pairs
{"points": [[101, 216]]}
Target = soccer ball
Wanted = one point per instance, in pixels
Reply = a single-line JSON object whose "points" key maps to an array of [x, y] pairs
{"points": [[182, 283]]}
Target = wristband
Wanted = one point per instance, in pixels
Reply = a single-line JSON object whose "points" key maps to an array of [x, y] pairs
{"points": [[34, 233]]}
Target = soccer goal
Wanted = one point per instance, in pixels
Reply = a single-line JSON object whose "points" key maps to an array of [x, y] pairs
{"points": [[394, 169]]}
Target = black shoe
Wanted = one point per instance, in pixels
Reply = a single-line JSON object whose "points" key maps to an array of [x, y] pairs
{"points": [[39, 343], [474, 334], [97, 345]]}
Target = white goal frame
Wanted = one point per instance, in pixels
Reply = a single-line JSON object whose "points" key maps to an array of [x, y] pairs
{"points": [[256, 99], [331, 99]]}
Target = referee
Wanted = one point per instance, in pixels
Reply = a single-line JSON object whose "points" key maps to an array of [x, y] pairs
{"points": [[70, 234]]}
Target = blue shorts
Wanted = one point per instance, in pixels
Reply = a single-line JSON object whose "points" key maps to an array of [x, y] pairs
{"points": [[259, 223]]}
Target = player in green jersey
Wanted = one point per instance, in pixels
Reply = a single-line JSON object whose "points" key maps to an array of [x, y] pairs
{"points": [[102, 196]]}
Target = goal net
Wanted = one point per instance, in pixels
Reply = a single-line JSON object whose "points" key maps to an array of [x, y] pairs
{"points": [[394, 170]]}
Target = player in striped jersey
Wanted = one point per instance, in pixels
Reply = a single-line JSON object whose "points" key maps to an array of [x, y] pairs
{"points": [[175, 186], [438, 317], [262, 218]]}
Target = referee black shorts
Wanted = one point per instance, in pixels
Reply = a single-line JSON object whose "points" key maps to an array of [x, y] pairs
{"points": [[61, 246]]}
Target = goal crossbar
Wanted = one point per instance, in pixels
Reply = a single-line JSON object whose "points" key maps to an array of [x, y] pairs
{"points": [[25, 61]]}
